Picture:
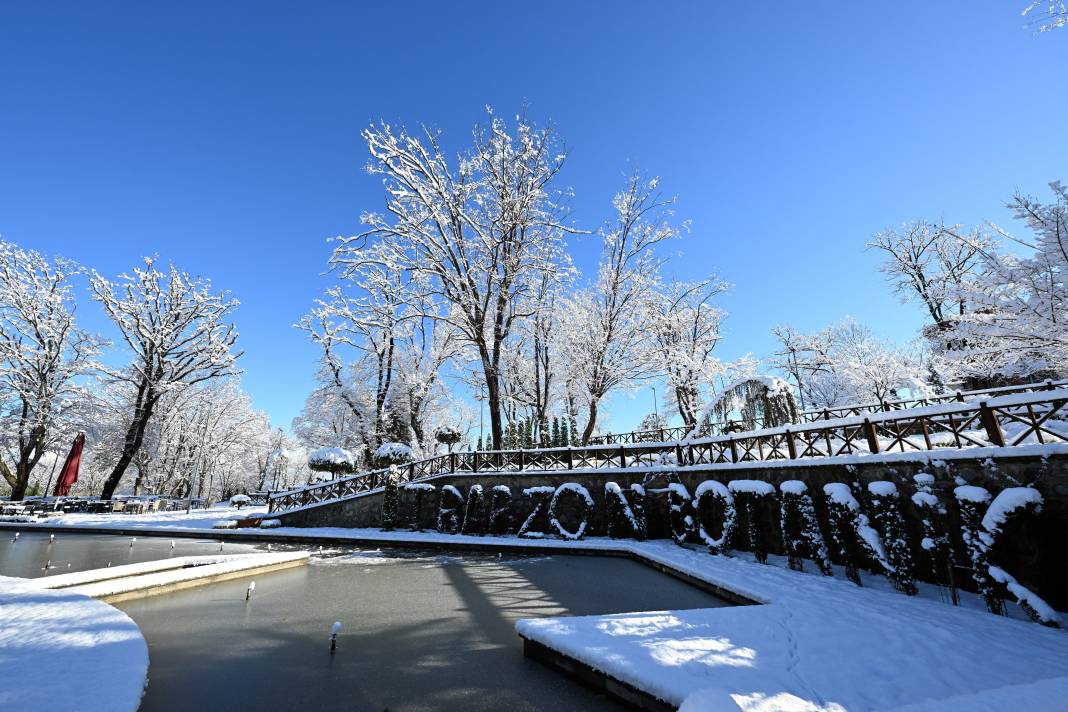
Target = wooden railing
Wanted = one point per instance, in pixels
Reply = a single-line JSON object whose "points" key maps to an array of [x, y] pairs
{"points": [[811, 416], [1006, 421]]}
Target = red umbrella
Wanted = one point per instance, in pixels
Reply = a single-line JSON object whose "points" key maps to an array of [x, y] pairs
{"points": [[69, 475]]}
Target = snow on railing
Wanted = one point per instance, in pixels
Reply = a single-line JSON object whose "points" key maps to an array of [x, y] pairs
{"points": [[812, 416], [1004, 421]]}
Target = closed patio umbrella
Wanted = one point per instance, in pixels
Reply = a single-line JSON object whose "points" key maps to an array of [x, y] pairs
{"points": [[69, 475]]}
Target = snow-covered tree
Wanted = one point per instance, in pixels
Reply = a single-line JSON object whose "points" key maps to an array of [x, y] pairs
{"points": [[476, 238], [685, 327], [607, 340], [176, 329], [42, 356], [1018, 325], [846, 363], [1046, 15]]}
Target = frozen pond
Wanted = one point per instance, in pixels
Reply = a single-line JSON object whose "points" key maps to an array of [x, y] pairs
{"points": [[422, 632], [27, 555]]}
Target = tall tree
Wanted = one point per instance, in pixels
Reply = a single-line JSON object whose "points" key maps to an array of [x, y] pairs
{"points": [[177, 331], [477, 238], [685, 328], [607, 339], [42, 352]]}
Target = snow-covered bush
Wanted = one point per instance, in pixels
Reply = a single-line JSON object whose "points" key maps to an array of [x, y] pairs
{"points": [[679, 509], [754, 497], [854, 538], [540, 495], [390, 500], [637, 508], [270, 523], [419, 489], [971, 503], [240, 500], [450, 508], [500, 518], [980, 537], [334, 460], [935, 532], [714, 498], [475, 513], [448, 436], [622, 522], [392, 454], [585, 505], [800, 529], [890, 522]]}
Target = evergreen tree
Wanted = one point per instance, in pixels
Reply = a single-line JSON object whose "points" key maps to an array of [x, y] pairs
{"points": [[450, 510], [390, 497], [500, 520], [972, 502], [475, 514], [557, 442], [572, 435], [891, 525]]}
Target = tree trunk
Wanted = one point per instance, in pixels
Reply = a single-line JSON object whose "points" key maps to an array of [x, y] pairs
{"points": [[135, 435], [591, 423]]}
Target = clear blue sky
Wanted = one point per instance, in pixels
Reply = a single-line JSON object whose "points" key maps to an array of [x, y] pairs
{"points": [[225, 137]]}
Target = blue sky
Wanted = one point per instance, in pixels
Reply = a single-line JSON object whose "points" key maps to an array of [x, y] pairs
{"points": [[225, 137]]}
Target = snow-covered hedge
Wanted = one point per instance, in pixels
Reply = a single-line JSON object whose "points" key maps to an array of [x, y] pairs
{"points": [[867, 524], [392, 454], [334, 460]]}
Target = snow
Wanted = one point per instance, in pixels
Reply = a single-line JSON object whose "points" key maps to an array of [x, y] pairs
{"points": [[240, 500], [393, 451], [793, 487], [818, 644], [757, 487], [925, 499], [331, 456], [923, 479], [1025, 595], [63, 651], [418, 486], [971, 493], [840, 493], [1009, 500], [192, 572], [883, 489]]}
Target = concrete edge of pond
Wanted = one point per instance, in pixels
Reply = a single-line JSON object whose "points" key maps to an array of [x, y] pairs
{"points": [[592, 678], [155, 584]]}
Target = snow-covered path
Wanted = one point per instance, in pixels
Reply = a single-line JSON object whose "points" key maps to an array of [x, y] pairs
{"points": [[64, 652]]}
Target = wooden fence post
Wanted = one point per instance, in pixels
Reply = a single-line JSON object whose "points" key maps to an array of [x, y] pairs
{"points": [[791, 447], [991, 424], [873, 439], [622, 456], [734, 448], [678, 453], [452, 462], [570, 462]]}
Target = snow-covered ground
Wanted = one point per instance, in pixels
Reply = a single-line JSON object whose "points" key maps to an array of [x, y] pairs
{"points": [[195, 519], [813, 643], [63, 651], [817, 644]]}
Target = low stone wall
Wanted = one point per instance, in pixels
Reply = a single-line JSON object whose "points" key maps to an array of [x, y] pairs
{"points": [[1036, 553]]}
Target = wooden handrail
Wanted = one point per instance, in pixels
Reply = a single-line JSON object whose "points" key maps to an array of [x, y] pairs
{"points": [[1005, 421]]}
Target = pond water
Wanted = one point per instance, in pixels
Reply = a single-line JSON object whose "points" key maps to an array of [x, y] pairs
{"points": [[421, 631]]}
